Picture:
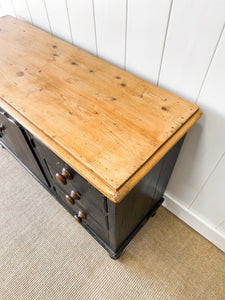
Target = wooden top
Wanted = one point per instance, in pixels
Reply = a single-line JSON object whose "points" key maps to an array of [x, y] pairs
{"points": [[107, 124]]}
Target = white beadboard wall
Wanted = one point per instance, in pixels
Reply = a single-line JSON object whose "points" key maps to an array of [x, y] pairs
{"points": [[178, 45]]}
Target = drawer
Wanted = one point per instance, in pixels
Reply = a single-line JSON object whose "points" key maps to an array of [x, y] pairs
{"points": [[99, 216], [85, 190], [54, 165], [96, 221]]}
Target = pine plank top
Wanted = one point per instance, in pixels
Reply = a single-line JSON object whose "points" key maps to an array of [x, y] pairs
{"points": [[107, 124]]}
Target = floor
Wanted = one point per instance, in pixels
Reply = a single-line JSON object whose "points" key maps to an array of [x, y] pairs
{"points": [[45, 254]]}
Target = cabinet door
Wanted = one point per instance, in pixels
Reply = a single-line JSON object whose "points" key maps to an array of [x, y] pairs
{"points": [[12, 137]]}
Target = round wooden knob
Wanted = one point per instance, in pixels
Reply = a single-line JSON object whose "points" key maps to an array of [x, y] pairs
{"points": [[69, 200], [80, 216], [66, 174], [75, 195], [77, 219], [1, 129], [63, 177]]}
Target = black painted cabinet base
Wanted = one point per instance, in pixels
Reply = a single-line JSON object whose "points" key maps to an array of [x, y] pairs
{"points": [[113, 225]]}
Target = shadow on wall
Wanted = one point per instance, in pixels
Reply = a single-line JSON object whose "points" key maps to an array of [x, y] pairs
{"points": [[204, 145]]}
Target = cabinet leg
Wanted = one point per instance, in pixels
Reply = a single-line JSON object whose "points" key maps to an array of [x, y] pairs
{"points": [[114, 255]]}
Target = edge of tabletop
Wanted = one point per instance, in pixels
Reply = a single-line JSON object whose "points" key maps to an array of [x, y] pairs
{"points": [[112, 194], [152, 161]]}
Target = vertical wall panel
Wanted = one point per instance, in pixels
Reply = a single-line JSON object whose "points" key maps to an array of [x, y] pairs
{"points": [[192, 36], [1, 11], [146, 28], [58, 17], [22, 10], [210, 202], [205, 144], [7, 8], [39, 14], [81, 16], [110, 19]]}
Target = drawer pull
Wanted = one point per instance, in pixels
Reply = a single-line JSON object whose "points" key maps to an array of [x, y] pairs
{"points": [[74, 195], [79, 217], [69, 199], [1, 129], [61, 178]]}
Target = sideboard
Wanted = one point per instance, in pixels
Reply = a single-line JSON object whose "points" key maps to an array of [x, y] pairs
{"points": [[102, 141]]}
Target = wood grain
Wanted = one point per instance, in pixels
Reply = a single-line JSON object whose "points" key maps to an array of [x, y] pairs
{"points": [[104, 122]]}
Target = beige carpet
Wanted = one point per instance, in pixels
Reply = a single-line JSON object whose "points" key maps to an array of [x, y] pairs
{"points": [[45, 254]]}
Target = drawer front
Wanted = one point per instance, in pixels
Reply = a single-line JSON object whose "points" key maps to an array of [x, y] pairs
{"points": [[86, 206], [54, 165], [14, 138], [95, 220]]}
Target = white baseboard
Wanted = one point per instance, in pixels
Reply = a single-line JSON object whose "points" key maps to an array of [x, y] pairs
{"points": [[194, 221]]}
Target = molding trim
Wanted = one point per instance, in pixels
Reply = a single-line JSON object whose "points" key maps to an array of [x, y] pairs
{"points": [[194, 221]]}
